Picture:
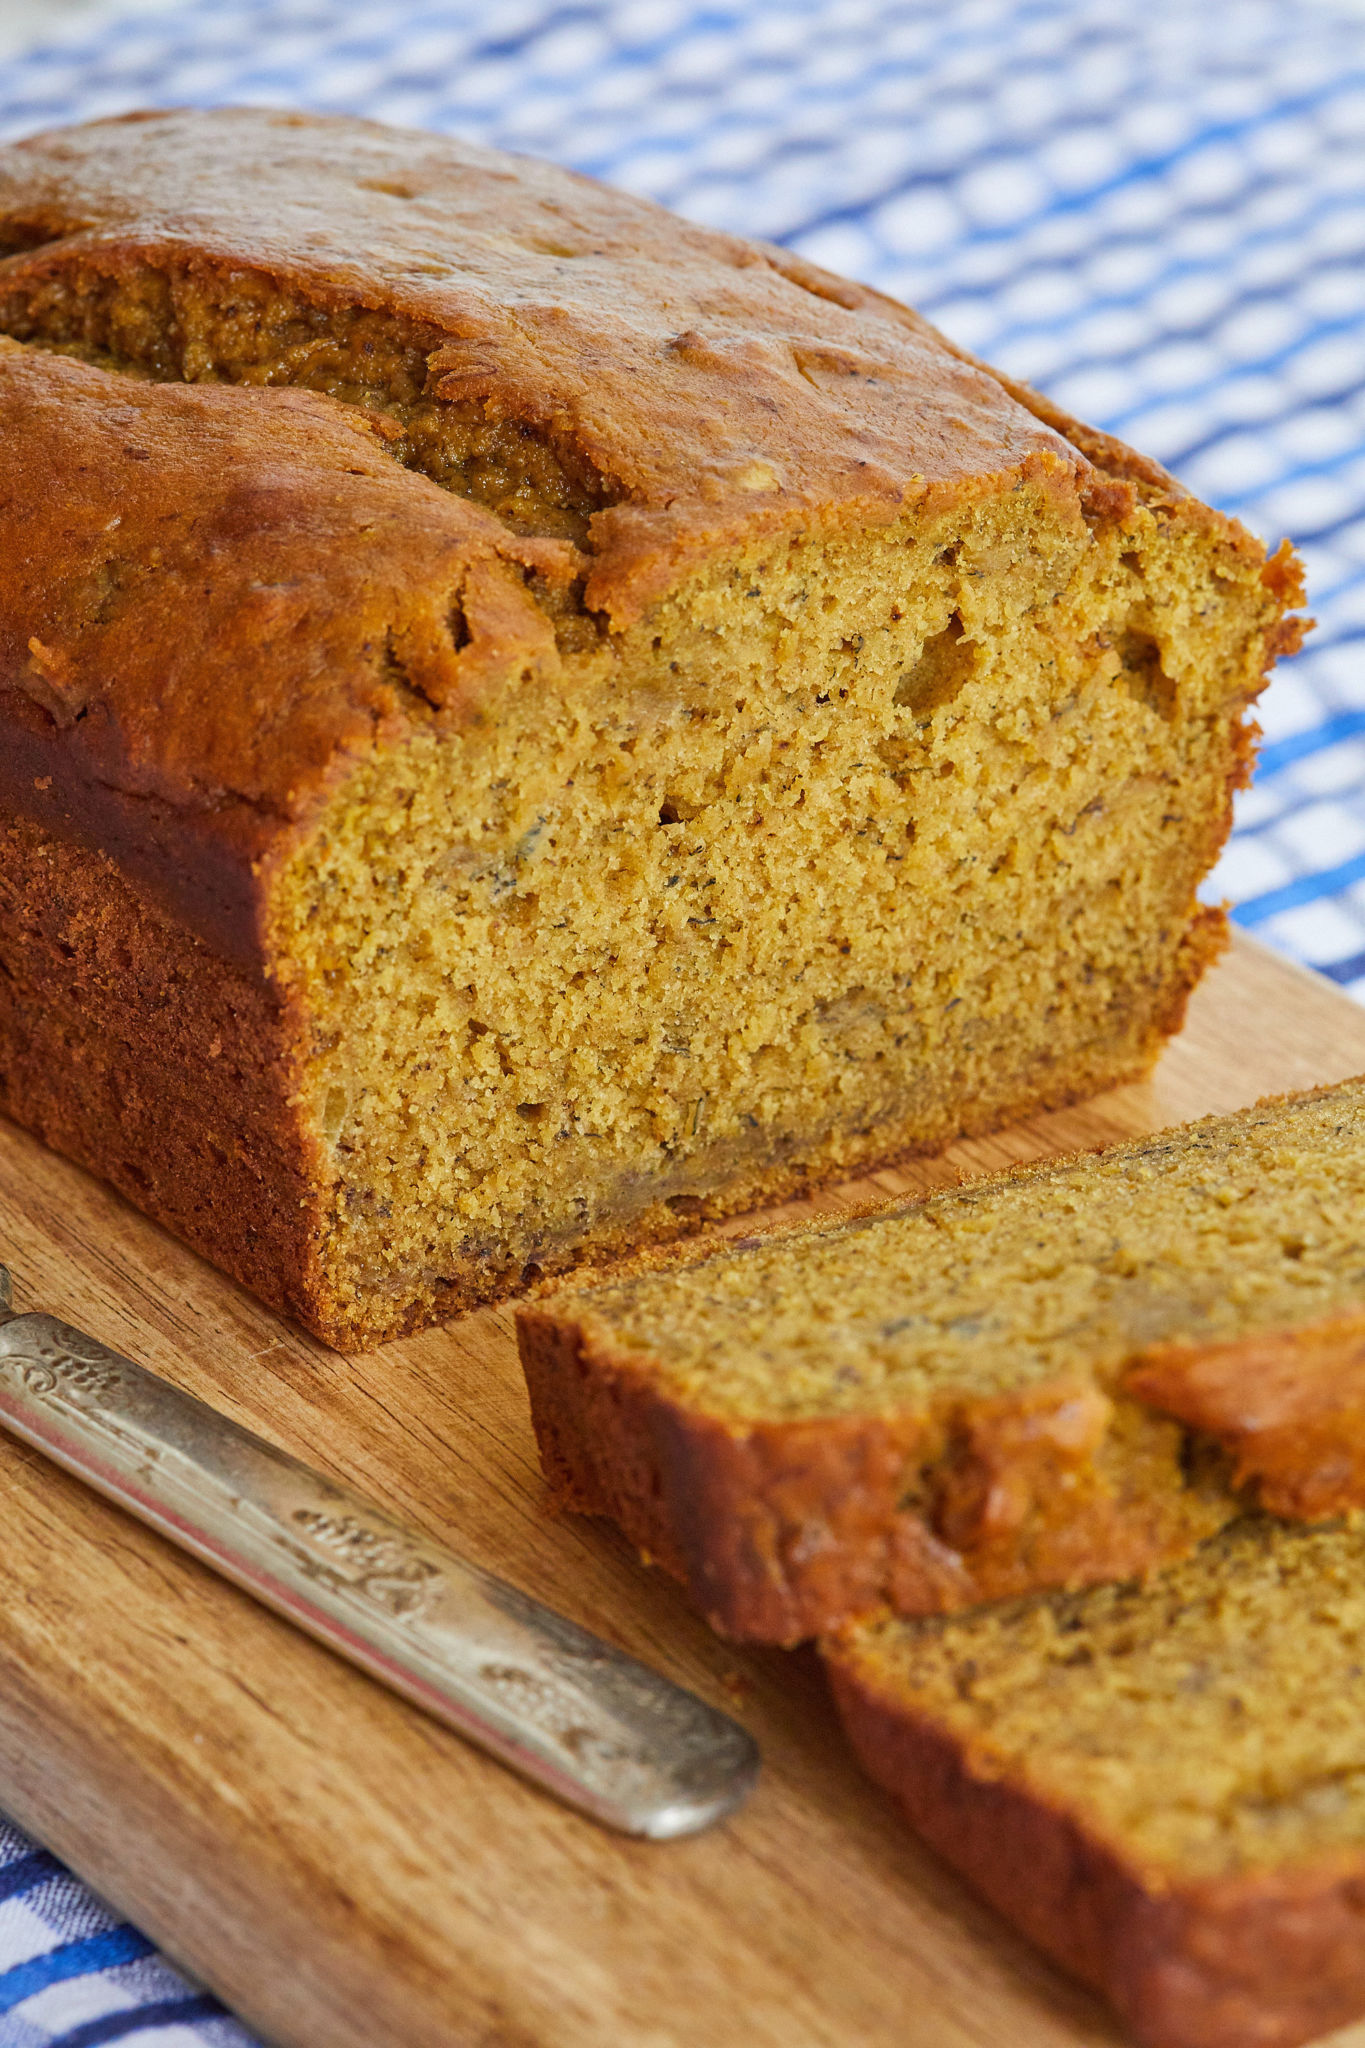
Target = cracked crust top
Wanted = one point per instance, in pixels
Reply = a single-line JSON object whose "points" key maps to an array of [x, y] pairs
{"points": [[698, 386], [216, 588], [212, 600]]}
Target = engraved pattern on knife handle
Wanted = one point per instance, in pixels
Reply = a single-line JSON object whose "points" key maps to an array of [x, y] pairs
{"points": [[585, 1720], [70, 1374], [381, 1567]]}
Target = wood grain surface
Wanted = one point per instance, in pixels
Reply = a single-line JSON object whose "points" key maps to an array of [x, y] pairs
{"points": [[345, 1873]]}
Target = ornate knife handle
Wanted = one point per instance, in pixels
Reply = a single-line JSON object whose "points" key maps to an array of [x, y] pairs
{"points": [[590, 1724]]}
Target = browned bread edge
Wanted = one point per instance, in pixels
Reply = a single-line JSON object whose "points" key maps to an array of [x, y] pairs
{"points": [[1263, 1960]]}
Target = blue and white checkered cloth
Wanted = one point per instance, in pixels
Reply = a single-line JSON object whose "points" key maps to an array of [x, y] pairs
{"points": [[72, 1975], [1153, 209]]}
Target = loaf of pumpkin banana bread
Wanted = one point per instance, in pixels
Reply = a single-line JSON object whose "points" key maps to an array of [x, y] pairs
{"points": [[526, 723], [1162, 1784], [1067, 1373]]}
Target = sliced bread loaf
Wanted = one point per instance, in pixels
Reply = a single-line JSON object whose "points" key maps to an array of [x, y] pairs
{"points": [[527, 723], [1163, 1785], [1065, 1374]]}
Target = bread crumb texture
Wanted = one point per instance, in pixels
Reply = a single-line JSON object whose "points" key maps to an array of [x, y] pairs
{"points": [[1162, 1783], [1210, 1720], [1071, 1270], [665, 727]]}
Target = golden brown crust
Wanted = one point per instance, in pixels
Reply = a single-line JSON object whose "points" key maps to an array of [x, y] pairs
{"points": [[166, 548], [707, 387], [708, 390], [1265, 1960], [1289, 1405], [130, 1046], [783, 1530], [701, 390]]}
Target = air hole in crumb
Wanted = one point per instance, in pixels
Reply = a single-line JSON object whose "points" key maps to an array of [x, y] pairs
{"points": [[1131, 562], [945, 664], [1293, 1247], [1143, 676], [333, 1113], [532, 1111], [458, 626]]}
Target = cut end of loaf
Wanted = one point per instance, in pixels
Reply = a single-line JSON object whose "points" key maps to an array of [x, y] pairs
{"points": [[856, 845]]}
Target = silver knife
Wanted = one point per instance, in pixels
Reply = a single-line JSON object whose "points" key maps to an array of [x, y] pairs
{"points": [[588, 1723]]}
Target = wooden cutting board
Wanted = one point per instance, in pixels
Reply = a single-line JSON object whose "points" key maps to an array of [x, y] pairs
{"points": [[345, 1873]]}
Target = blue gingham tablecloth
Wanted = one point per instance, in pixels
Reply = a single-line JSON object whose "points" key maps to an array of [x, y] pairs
{"points": [[1153, 209], [72, 1973]]}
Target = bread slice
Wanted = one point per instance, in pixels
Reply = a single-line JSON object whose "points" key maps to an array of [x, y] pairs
{"points": [[1162, 1784], [1060, 1375], [526, 723]]}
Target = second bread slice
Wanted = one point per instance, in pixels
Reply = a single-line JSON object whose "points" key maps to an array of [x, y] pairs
{"points": [[1162, 1784], [1064, 1374]]}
